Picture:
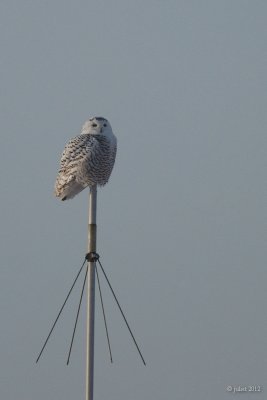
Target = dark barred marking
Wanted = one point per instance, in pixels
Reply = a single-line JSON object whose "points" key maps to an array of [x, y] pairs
{"points": [[100, 119]]}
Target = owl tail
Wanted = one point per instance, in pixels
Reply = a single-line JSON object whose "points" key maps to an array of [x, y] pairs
{"points": [[67, 190]]}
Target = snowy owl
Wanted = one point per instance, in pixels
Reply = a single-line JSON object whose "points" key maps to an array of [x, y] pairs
{"points": [[87, 159]]}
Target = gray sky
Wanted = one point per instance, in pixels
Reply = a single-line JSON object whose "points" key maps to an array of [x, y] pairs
{"points": [[182, 223]]}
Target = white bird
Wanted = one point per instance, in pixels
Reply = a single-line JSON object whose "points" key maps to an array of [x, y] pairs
{"points": [[87, 159]]}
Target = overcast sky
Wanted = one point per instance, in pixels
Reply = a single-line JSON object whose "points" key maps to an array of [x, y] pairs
{"points": [[182, 222]]}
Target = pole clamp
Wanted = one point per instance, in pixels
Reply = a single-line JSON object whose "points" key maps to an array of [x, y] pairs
{"points": [[92, 256]]}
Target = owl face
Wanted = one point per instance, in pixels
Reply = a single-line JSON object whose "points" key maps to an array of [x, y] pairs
{"points": [[97, 126]]}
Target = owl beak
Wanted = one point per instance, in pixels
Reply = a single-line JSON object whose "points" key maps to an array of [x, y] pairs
{"points": [[101, 130]]}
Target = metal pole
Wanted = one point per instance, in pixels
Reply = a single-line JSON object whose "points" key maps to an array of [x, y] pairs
{"points": [[91, 296]]}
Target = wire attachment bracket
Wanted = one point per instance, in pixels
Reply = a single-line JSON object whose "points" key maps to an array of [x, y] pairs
{"points": [[92, 256]]}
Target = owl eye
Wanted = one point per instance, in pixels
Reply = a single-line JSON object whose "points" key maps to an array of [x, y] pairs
{"points": [[94, 125], [105, 124]]}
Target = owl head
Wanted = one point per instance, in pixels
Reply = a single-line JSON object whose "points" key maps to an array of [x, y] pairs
{"points": [[97, 126]]}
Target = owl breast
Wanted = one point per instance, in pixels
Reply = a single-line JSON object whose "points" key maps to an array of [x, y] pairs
{"points": [[97, 166]]}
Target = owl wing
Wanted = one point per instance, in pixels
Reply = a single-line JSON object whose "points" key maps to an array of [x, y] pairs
{"points": [[72, 176], [77, 150]]}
